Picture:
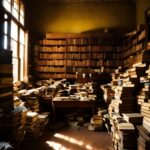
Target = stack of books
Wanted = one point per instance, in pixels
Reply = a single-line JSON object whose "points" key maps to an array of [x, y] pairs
{"points": [[127, 136], [145, 111], [13, 127], [43, 120], [124, 101], [6, 94], [96, 123], [32, 103], [32, 125], [17, 101], [123, 133], [143, 95], [143, 139], [134, 118]]}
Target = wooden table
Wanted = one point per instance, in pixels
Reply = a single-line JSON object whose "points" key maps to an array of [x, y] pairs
{"points": [[86, 104]]}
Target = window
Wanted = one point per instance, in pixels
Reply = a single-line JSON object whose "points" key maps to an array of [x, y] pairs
{"points": [[6, 31], [15, 37], [22, 14], [7, 5], [16, 8]]}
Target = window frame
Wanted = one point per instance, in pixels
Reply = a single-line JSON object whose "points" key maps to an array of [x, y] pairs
{"points": [[21, 70]]}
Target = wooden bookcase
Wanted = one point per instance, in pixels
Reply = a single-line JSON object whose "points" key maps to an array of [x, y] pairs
{"points": [[147, 23], [64, 55], [134, 45]]}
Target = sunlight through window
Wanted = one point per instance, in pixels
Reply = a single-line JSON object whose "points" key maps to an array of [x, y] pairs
{"points": [[7, 5], [71, 140], [15, 37], [56, 146]]}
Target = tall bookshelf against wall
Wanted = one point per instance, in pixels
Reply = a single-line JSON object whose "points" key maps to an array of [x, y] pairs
{"points": [[64, 55], [134, 46], [147, 23]]}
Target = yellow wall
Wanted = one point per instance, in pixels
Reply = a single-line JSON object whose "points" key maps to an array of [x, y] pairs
{"points": [[75, 18]]}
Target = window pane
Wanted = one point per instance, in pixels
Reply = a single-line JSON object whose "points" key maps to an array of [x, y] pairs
{"points": [[22, 14], [15, 69], [5, 42], [6, 27], [22, 36], [15, 13], [22, 20], [21, 9], [14, 47], [16, 4], [21, 62], [21, 51], [5, 16], [15, 9], [7, 5], [14, 31]]}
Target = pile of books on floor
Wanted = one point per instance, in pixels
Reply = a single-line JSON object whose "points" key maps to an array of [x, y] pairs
{"points": [[124, 100], [35, 124], [143, 95], [134, 118], [43, 121], [32, 128], [32, 103], [14, 125], [145, 111], [97, 122], [127, 88], [143, 139], [17, 101], [6, 97], [123, 134]]}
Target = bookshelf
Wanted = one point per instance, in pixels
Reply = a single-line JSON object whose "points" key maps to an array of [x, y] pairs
{"points": [[147, 23], [63, 55], [134, 46]]}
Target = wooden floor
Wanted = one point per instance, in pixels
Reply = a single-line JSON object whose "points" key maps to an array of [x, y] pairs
{"points": [[58, 136]]}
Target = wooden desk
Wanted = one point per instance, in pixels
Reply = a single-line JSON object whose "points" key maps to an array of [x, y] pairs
{"points": [[86, 104]]}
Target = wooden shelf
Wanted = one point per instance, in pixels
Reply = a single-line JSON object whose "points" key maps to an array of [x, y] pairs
{"points": [[83, 53]]}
